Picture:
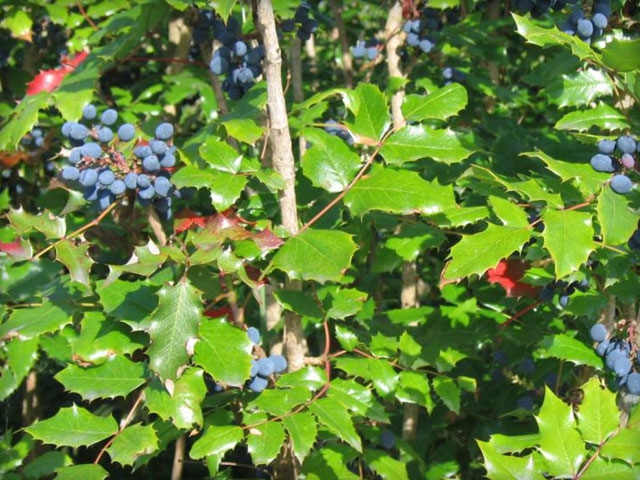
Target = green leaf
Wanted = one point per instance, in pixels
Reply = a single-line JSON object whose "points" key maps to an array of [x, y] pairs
{"points": [[400, 192], [385, 466], [303, 430], [504, 467], [385, 379], [439, 104], [171, 326], [133, 442], [329, 163], [598, 413], [333, 415], [22, 120], [223, 351], [265, 441], [73, 427], [19, 357], [624, 446], [224, 8], [31, 322], [220, 155], [414, 142], [216, 440], [357, 398], [509, 213], [281, 401], [560, 443], [552, 37], [475, 254], [45, 465], [601, 469], [513, 444], [330, 463], [448, 391], [414, 388], [371, 115], [568, 236], [77, 88], [183, 403], [117, 377], [50, 225], [225, 187], [90, 471], [130, 302], [569, 349], [18, 22], [602, 116], [76, 259], [145, 260], [581, 174], [617, 220], [321, 255], [299, 302], [579, 88], [622, 54]]}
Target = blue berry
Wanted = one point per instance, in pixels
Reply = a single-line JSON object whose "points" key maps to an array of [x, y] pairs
{"points": [[88, 177], [279, 363], [164, 131], [162, 186], [168, 160], [258, 384], [621, 184], [126, 132], [78, 132], [626, 144], [265, 367], [143, 181], [89, 112], [585, 28], [600, 21], [158, 147], [118, 187], [91, 149], [633, 383], [142, 151], [603, 163], [70, 173], [151, 164], [598, 332], [146, 193], [75, 156], [106, 177], [254, 335], [109, 117], [131, 180]]}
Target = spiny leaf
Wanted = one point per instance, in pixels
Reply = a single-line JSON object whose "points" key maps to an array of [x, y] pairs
{"points": [[439, 104], [336, 418], [321, 255], [73, 427], [19, 357], [568, 236], [625, 445], [371, 114], [415, 142], [598, 414], [216, 440], [118, 376], [303, 430], [265, 441], [602, 116], [173, 324], [385, 465], [89, 471], [76, 259], [133, 442], [616, 219], [504, 467], [223, 351], [560, 443], [448, 391], [34, 321], [569, 349]]}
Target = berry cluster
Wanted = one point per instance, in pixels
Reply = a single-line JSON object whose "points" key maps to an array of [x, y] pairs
{"points": [[99, 161], [305, 25], [263, 368], [564, 290], [451, 74], [619, 354], [238, 61], [614, 156], [537, 8], [588, 28], [416, 35], [366, 48]]}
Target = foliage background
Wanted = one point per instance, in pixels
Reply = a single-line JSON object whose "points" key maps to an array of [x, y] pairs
{"points": [[406, 359]]}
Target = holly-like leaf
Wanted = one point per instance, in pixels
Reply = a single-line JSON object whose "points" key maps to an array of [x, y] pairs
{"points": [[333, 415], [225, 187], [357, 398], [216, 441], [504, 467], [91, 471], [414, 388], [330, 462], [371, 114], [24, 117], [440, 104], [50, 225], [475, 254], [302, 430], [321, 255], [220, 155], [385, 465], [603, 116], [329, 163], [569, 349], [76, 259], [622, 54], [414, 142], [560, 443], [601, 469], [625, 445], [579, 88], [448, 391], [299, 302], [117, 377], [264, 442], [598, 414], [73, 427], [46, 464], [223, 351], [281, 401], [552, 37], [616, 219], [568, 236], [171, 326], [145, 260], [18, 359], [400, 192], [183, 404], [133, 442], [31, 322], [415, 239]]}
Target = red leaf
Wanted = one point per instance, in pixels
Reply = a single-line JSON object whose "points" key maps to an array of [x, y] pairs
{"points": [[13, 248], [508, 273], [219, 312], [47, 80]]}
